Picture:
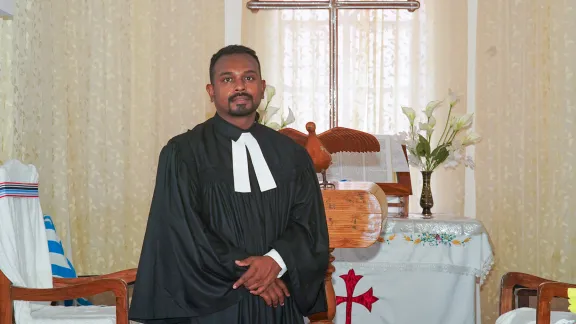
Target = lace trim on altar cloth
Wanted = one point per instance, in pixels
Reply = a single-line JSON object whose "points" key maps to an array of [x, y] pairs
{"points": [[455, 226], [486, 268], [481, 274]]}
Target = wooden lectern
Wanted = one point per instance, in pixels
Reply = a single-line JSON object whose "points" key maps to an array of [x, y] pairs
{"points": [[355, 212]]}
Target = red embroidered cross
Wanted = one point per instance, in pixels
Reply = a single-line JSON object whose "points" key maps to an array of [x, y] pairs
{"points": [[366, 299]]}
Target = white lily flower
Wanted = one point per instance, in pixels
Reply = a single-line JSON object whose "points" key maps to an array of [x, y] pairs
{"points": [[270, 92], [459, 155], [456, 146], [467, 120], [469, 162], [290, 119], [261, 112], [431, 106], [453, 160], [271, 111], [462, 122], [411, 144], [471, 138], [410, 113], [454, 99], [428, 128], [415, 161], [267, 112], [274, 125], [456, 155], [425, 127], [452, 164], [401, 137]]}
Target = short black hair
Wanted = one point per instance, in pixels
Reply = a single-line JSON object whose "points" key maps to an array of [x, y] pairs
{"points": [[229, 50]]}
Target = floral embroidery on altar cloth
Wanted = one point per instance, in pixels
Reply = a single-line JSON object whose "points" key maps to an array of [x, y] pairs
{"points": [[436, 239], [386, 238], [429, 239]]}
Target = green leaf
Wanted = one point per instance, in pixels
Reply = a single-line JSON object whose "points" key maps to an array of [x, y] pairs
{"points": [[441, 156], [423, 147], [435, 152]]}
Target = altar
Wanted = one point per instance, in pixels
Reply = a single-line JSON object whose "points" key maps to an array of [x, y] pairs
{"points": [[419, 271]]}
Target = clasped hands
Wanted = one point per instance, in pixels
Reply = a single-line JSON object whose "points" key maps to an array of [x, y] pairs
{"points": [[261, 279]]}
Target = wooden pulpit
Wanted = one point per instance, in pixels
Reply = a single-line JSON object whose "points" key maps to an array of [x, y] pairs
{"points": [[355, 213]]}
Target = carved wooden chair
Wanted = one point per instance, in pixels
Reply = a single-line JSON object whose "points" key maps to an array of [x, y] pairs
{"points": [[544, 289], [401, 189], [27, 287]]}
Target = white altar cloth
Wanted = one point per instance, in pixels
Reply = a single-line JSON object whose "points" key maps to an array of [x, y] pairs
{"points": [[420, 271]]}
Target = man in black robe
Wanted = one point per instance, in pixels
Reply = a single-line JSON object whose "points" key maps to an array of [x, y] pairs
{"points": [[237, 230]]}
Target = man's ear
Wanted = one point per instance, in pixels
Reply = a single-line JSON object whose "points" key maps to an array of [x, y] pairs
{"points": [[210, 90], [263, 88]]}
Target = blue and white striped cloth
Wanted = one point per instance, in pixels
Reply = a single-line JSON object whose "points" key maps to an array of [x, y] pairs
{"points": [[61, 266]]}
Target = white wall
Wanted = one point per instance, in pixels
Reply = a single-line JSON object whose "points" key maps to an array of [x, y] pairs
{"points": [[6, 8]]}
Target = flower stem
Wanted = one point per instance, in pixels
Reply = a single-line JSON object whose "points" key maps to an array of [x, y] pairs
{"points": [[445, 126], [451, 138]]}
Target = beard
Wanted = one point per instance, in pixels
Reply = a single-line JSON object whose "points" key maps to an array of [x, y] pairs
{"points": [[242, 109]]}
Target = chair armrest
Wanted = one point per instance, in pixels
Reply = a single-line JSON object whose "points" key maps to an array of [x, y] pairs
{"points": [[547, 291], [117, 286], [510, 281], [128, 276]]}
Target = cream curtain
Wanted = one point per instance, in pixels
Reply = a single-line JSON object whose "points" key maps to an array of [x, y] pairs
{"points": [[6, 88], [388, 59], [99, 87], [526, 111]]}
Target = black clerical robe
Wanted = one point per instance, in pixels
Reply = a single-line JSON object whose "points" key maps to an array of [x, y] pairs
{"points": [[199, 225]]}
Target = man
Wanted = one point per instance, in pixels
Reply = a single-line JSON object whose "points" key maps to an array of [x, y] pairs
{"points": [[237, 231]]}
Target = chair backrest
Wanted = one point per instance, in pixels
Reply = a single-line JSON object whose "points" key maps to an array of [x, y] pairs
{"points": [[23, 248]]}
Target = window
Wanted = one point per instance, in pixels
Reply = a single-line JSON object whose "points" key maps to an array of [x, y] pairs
{"points": [[379, 56]]}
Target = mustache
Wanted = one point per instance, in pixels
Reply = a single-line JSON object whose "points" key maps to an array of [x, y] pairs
{"points": [[240, 94]]}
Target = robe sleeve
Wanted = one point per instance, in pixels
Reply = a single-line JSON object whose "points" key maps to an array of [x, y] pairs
{"points": [[304, 245], [185, 269]]}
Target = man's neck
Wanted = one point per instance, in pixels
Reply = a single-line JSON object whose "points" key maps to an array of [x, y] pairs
{"points": [[243, 122]]}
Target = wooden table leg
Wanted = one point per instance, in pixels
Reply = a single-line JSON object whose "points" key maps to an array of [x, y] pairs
{"points": [[327, 317]]}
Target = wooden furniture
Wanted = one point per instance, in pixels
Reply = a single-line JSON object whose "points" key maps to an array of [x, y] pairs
{"points": [[545, 289], [25, 260], [402, 189], [65, 289], [321, 146], [355, 212]]}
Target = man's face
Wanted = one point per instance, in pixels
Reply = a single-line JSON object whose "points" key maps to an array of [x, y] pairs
{"points": [[238, 87]]}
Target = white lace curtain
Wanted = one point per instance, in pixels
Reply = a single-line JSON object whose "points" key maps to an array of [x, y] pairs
{"points": [[387, 59]]}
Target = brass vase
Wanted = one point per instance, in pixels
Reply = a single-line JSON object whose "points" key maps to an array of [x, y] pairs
{"points": [[426, 200]]}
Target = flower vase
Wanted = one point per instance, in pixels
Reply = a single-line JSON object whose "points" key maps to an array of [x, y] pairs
{"points": [[426, 200]]}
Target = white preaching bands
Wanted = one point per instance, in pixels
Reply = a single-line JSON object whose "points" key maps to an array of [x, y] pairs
{"points": [[263, 174], [240, 164]]}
